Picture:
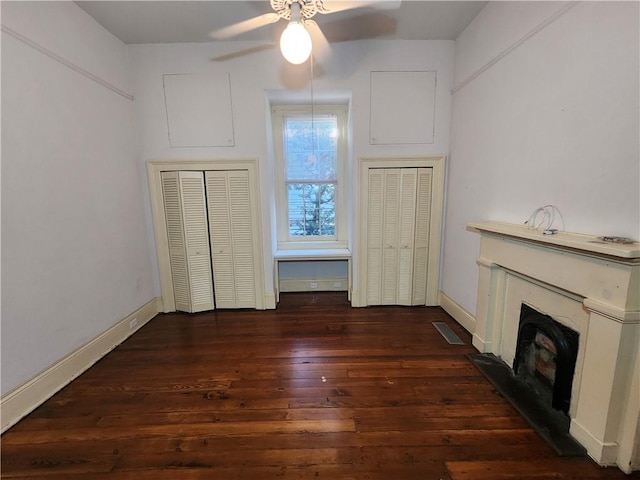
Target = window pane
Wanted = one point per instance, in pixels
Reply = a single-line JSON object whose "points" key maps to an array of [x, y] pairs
{"points": [[311, 209], [310, 147]]}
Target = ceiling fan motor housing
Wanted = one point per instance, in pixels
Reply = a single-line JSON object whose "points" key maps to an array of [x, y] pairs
{"points": [[308, 8]]}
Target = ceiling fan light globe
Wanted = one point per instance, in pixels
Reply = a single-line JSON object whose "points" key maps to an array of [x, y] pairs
{"points": [[295, 43]]}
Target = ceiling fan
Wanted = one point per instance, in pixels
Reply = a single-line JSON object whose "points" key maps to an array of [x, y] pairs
{"points": [[302, 32]]}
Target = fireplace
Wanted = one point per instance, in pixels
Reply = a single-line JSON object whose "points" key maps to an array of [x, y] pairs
{"points": [[546, 353], [564, 309]]}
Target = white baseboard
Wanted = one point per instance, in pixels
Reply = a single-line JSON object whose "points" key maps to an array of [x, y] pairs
{"points": [[460, 315], [605, 454], [355, 299], [313, 284], [24, 399], [481, 345], [269, 301]]}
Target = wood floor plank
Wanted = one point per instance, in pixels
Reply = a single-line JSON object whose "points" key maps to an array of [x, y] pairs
{"points": [[314, 389], [157, 430], [567, 469]]}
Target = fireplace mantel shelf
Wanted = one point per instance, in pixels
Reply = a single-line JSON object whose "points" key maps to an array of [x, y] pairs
{"points": [[586, 243]]}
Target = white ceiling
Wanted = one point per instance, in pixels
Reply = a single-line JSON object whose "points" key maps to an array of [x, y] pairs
{"points": [[193, 21]]}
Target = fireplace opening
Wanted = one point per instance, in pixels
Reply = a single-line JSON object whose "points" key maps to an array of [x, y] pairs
{"points": [[545, 358]]}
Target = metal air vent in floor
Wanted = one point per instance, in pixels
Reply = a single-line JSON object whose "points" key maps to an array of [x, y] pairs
{"points": [[448, 334]]}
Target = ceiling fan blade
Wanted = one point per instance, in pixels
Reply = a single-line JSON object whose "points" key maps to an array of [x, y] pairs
{"points": [[342, 5], [245, 26], [242, 53], [320, 44], [361, 27]]}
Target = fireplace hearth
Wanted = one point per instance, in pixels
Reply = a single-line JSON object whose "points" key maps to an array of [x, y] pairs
{"points": [[551, 424]]}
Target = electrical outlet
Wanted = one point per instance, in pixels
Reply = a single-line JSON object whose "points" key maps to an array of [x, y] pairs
{"points": [[314, 285], [133, 323]]}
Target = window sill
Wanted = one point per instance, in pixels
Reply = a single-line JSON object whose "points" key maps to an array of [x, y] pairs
{"points": [[314, 254]]}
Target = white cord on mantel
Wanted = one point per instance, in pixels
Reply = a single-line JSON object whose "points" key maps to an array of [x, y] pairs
{"points": [[544, 217]]}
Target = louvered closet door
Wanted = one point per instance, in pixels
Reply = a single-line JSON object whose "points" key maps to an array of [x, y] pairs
{"points": [[398, 219], [390, 223], [406, 233], [390, 235], [375, 219], [422, 231], [232, 238], [186, 218]]}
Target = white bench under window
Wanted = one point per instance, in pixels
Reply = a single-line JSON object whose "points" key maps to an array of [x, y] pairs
{"points": [[315, 255]]}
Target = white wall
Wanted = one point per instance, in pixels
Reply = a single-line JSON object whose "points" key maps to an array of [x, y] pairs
{"points": [[555, 121], [75, 256], [252, 75]]}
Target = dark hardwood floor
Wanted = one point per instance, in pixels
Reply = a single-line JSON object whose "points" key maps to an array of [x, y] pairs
{"points": [[312, 390]]}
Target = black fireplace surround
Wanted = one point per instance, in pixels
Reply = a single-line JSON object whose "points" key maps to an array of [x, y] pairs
{"points": [[565, 341]]}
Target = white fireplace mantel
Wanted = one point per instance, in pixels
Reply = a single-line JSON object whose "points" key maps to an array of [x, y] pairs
{"points": [[591, 286]]}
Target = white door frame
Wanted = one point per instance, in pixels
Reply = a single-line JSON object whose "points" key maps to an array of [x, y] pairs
{"points": [[154, 171], [435, 162]]}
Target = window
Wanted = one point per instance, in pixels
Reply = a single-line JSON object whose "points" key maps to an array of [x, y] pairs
{"points": [[309, 148]]}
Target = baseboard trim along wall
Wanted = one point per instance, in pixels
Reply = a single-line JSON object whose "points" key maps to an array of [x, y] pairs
{"points": [[460, 315], [269, 301], [22, 400]]}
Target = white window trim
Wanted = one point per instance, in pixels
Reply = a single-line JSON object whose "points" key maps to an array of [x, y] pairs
{"points": [[285, 242]]}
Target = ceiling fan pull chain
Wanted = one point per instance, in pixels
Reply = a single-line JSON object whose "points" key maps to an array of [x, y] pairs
{"points": [[313, 127]]}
